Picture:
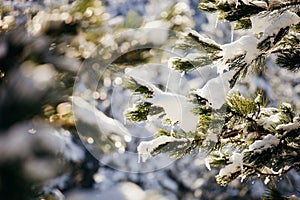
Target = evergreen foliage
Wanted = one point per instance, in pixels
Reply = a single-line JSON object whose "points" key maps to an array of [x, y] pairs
{"points": [[274, 194], [244, 136]]}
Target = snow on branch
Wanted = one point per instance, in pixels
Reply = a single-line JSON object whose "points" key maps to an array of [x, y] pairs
{"points": [[245, 45], [177, 109], [236, 164], [269, 141], [216, 89], [290, 126], [246, 137], [146, 148], [194, 40]]}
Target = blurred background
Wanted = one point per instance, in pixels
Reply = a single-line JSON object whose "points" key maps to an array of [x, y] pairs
{"points": [[63, 135]]}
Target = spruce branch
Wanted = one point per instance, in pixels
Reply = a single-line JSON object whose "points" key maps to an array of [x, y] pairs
{"points": [[283, 5], [289, 59], [185, 64], [175, 149], [257, 139], [243, 23], [193, 40], [136, 88], [141, 112], [231, 11], [274, 194]]}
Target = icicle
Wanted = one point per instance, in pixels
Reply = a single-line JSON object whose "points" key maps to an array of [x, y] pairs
{"points": [[168, 80], [232, 33], [180, 79], [243, 178], [172, 50], [182, 74], [172, 130], [267, 180], [236, 4], [217, 21], [207, 160]]}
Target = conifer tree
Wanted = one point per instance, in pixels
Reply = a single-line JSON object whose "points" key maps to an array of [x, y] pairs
{"points": [[241, 134]]}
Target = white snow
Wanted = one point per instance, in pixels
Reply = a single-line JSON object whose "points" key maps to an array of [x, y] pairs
{"points": [[258, 98], [211, 136], [267, 142], [245, 45], [268, 111], [271, 24], [288, 18], [286, 105], [146, 147], [259, 3], [260, 22], [236, 164], [229, 1], [267, 170], [247, 2], [87, 113], [236, 2], [177, 108], [216, 89], [269, 118], [289, 127], [269, 122], [267, 180]]}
